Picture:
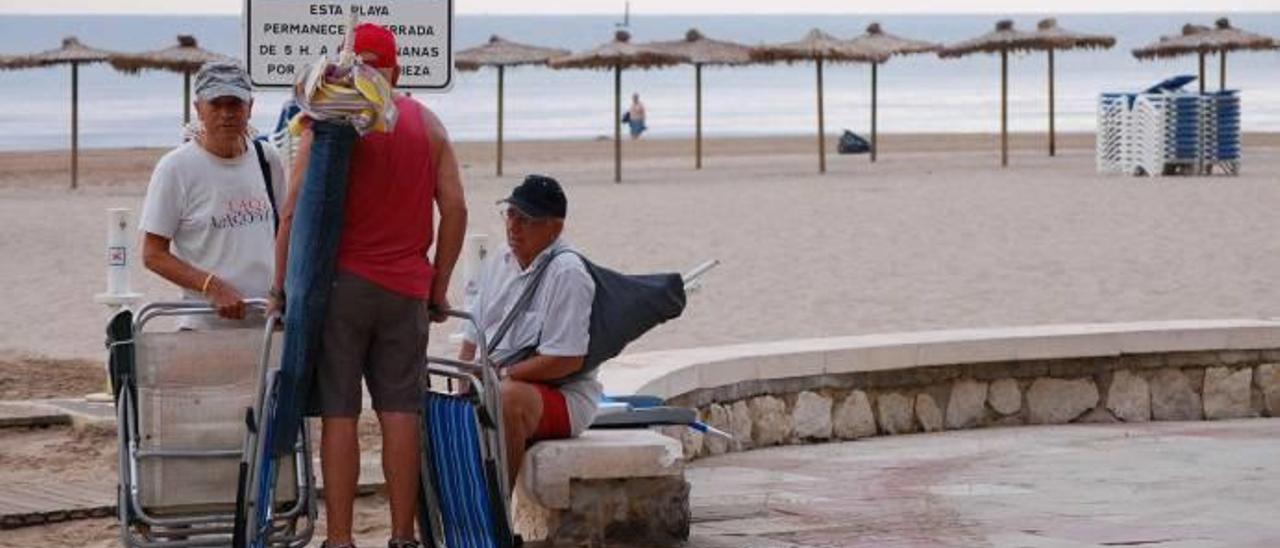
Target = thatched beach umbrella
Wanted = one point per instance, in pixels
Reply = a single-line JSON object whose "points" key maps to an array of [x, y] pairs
{"points": [[617, 55], [1201, 41], [71, 53], [819, 47], [703, 51], [1055, 38], [502, 53], [1003, 40], [876, 39], [186, 57]]}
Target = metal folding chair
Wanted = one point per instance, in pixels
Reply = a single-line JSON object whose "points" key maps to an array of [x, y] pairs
{"points": [[181, 402]]}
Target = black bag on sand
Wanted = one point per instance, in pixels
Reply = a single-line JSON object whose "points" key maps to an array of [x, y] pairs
{"points": [[625, 306], [852, 143]]}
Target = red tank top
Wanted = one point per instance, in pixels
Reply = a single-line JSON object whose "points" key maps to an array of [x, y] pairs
{"points": [[389, 211]]}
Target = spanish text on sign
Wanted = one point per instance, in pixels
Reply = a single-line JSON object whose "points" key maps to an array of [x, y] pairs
{"points": [[282, 36]]}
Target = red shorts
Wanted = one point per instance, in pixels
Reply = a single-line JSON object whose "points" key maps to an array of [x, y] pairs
{"points": [[554, 424]]}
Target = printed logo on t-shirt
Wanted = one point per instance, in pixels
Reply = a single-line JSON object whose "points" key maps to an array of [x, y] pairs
{"points": [[241, 213]]}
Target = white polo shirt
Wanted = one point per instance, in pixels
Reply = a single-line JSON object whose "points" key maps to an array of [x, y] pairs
{"points": [[556, 320]]}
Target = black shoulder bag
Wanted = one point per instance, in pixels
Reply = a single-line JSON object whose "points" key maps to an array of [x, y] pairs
{"points": [[266, 178]]}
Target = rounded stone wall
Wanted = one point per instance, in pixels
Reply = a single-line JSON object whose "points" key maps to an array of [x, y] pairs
{"points": [[822, 390]]}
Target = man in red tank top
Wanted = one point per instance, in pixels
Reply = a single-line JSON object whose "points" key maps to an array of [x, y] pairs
{"points": [[378, 313]]}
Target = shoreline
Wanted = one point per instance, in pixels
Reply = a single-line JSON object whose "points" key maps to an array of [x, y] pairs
{"points": [[121, 167]]}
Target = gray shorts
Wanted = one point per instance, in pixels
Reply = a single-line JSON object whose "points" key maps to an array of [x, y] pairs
{"points": [[375, 333]]}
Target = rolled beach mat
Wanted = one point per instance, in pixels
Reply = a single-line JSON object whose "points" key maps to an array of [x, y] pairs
{"points": [[313, 251]]}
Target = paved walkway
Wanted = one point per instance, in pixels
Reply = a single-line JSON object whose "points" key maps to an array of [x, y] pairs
{"points": [[1199, 484], [40, 501], [1158, 484]]}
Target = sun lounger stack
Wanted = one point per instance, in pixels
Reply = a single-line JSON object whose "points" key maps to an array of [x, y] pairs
{"points": [[1167, 131], [1222, 132], [1114, 137]]}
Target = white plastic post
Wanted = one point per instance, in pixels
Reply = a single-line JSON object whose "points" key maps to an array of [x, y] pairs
{"points": [[474, 251], [119, 251]]}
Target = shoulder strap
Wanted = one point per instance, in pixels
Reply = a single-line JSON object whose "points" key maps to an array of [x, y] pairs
{"points": [[522, 303], [266, 178]]}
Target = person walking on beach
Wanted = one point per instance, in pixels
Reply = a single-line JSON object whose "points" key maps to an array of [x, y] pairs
{"points": [[635, 117], [209, 216], [384, 295]]}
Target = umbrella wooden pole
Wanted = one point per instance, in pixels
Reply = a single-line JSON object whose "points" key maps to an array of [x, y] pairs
{"points": [[822, 138], [1222, 70], [874, 145], [501, 77], [1201, 72], [697, 71], [617, 123], [186, 97], [1053, 148], [75, 123], [1004, 108]]}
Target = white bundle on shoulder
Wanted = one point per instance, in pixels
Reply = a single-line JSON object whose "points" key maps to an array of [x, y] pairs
{"points": [[346, 91]]}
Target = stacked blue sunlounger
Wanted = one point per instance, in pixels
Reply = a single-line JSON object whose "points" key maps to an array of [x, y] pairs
{"points": [[1168, 130]]}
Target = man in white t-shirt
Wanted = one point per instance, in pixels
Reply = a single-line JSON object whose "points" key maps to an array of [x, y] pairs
{"points": [[209, 217], [544, 394]]}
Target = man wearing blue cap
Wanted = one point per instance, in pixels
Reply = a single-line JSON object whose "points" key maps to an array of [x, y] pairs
{"points": [[546, 343], [209, 215]]}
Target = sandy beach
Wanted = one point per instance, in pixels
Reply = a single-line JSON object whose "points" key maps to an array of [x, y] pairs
{"points": [[935, 235]]}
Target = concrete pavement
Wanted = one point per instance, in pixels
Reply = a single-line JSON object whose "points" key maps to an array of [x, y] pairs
{"points": [[1154, 484]]}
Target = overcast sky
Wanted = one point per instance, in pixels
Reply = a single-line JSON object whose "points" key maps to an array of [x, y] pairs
{"points": [[679, 6]]}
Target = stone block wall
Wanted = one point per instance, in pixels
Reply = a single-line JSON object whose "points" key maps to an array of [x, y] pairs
{"points": [[1128, 388], [645, 511]]}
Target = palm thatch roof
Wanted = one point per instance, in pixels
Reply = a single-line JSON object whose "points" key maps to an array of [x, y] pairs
{"points": [[704, 51], [1196, 39], [500, 52], [619, 53], [72, 51], [876, 39], [816, 45], [1003, 38], [1060, 38], [185, 56]]}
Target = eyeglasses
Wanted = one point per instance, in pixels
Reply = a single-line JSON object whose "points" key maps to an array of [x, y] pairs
{"points": [[513, 215]]}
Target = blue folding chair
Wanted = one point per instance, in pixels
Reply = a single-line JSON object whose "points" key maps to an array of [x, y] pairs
{"points": [[465, 489]]}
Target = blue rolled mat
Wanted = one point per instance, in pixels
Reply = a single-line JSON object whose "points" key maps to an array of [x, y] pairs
{"points": [[313, 250]]}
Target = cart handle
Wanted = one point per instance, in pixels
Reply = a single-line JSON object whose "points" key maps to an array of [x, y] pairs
{"points": [[154, 310]]}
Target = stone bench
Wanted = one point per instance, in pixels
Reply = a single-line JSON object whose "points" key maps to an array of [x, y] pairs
{"points": [[603, 488]]}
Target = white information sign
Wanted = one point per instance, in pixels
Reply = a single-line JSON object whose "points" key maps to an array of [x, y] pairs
{"points": [[283, 36]]}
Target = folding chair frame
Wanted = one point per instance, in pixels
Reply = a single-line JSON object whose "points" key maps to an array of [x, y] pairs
{"points": [[145, 529]]}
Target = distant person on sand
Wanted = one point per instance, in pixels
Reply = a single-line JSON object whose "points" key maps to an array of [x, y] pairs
{"points": [[634, 117], [209, 218]]}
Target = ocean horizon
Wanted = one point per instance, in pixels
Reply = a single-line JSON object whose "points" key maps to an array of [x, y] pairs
{"points": [[918, 94]]}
